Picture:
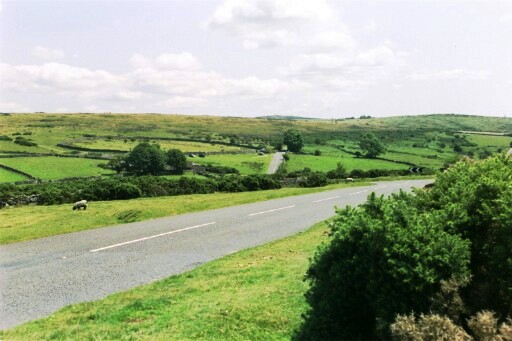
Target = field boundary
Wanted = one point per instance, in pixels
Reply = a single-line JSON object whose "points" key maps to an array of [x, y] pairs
{"points": [[17, 171]]}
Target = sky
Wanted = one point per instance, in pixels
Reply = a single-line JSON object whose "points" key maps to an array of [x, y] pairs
{"points": [[313, 58]]}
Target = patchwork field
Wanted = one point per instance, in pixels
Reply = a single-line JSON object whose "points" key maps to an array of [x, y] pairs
{"points": [[250, 163], [8, 176], [53, 167], [431, 141], [127, 145]]}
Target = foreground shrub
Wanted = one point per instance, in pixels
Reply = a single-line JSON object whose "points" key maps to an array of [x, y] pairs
{"points": [[383, 259], [415, 253]]}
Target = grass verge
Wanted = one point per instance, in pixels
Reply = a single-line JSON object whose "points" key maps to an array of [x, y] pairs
{"points": [[255, 294], [31, 222]]}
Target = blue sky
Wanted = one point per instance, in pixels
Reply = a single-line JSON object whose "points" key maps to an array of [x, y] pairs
{"points": [[313, 58]]}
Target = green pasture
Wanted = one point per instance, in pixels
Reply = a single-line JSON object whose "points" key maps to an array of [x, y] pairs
{"points": [[53, 167], [127, 145], [490, 141], [250, 163], [326, 163], [8, 176], [31, 222], [10, 146], [255, 294], [422, 161]]}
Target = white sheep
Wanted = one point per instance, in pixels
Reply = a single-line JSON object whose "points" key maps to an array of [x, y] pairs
{"points": [[80, 204]]}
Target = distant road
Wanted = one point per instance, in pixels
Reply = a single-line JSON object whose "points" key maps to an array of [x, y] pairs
{"points": [[275, 163], [41, 276]]}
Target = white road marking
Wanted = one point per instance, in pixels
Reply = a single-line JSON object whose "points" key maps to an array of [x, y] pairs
{"points": [[380, 187], [359, 192], [326, 199], [151, 237], [276, 209]]}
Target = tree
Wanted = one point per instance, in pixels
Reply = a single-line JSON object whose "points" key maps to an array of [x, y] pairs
{"points": [[371, 145], [177, 160], [145, 158], [293, 140]]}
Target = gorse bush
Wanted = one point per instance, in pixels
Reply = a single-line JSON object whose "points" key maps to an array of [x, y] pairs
{"points": [[391, 256]]}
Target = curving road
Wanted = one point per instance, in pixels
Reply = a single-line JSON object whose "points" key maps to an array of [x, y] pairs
{"points": [[41, 276]]}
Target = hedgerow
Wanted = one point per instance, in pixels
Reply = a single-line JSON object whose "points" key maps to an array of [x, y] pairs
{"points": [[130, 187]]}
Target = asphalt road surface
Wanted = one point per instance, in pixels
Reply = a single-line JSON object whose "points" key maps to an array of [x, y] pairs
{"points": [[39, 277], [276, 161]]}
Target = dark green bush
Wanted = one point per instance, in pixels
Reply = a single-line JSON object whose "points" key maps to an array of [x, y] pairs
{"points": [[316, 179], [24, 142], [221, 169], [383, 259], [390, 256]]}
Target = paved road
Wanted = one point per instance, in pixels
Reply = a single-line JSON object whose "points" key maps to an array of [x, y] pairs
{"points": [[41, 276], [275, 163]]}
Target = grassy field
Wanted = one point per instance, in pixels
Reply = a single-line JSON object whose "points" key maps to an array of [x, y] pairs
{"points": [[9, 146], [491, 141], [30, 222], [246, 163], [255, 294], [53, 167], [8, 176], [164, 144], [327, 163]]}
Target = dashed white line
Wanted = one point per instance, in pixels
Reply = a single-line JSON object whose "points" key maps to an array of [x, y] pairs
{"points": [[380, 187], [359, 192], [326, 199], [151, 237], [275, 209]]}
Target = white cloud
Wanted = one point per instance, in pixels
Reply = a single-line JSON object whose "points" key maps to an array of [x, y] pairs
{"points": [[274, 23], [330, 58], [166, 61], [178, 61], [63, 79], [169, 80], [234, 12], [48, 54], [448, 75], [345, 62]]}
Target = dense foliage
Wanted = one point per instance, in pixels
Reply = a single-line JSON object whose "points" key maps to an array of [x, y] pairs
{"points": [[391, 256], [293, 140], [371, 145], [145, 158], [176, 160], [118, 188]]}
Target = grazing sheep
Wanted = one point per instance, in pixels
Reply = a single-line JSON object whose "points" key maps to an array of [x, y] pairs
{"points": [[80, 204], [349, 180]]}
